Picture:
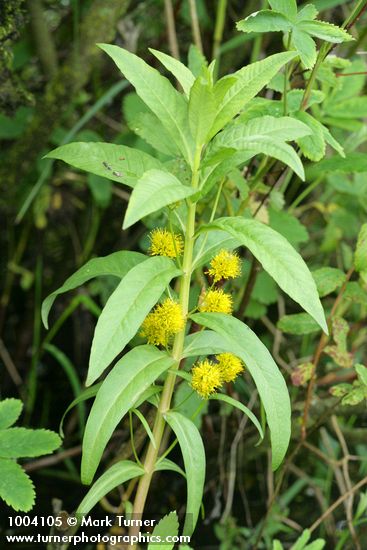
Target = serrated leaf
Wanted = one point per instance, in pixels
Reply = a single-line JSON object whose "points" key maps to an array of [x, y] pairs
{"points": [[16, 488], [352, 163], [153, 191], [249, 81], [119, 392], [178, 69], [126, 309], [298, 323], [313, 146], [307, 12], [264, 21], [117, 264], [305, 47], [193, 453], [355, 107], [167, 527], [115, 162], [10, 410], [22, 442], [360, 256], [116, 475], [279, 259], [202, 109], [325, 31], [288, 226], [158, 93], [328, 279], [268, 380], [287, 7]]}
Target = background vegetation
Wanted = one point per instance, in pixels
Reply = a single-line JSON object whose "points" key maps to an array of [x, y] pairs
{"points": [[57, 87]]}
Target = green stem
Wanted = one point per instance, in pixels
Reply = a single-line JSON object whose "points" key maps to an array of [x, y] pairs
{"points": [[218, 31], [286, 78], [166, 397], [195, 25]]}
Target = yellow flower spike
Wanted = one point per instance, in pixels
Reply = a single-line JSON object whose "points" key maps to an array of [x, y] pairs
{"points": [[164, 243], [216, 301], [206, 378], [225, 265], [164, 321], [229, 365]]}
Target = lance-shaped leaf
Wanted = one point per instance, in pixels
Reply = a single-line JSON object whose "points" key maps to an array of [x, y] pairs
{"points": [[116, 475], [115, 162], [119, 392], [279, 259], [21, 442], [126, 309], [158, 93], [268, 380], [208, 245], [287, 7], [16, 488], [266, 135], [305, 47], [178, 69], [202, 109], [117, 263], [154, 190], [193, 453], [249, 81]]}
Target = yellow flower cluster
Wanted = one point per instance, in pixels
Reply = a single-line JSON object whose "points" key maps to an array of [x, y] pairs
{"points": [[225, 265], [229, 365], [162, 323], [216, 301], [165, 243], [207, 376]]}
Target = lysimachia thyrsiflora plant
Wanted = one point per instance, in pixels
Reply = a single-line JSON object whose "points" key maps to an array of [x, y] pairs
{"points": [[16, 488], [201, 133]]}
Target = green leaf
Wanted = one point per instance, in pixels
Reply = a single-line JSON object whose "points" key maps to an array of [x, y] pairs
{"points": [[355, 107], [153, 191], [117, 263], [269, 382], [360, 256], [305, 47], [313, 146], [158, 93], [352, 163], [249, 81], [21, 442], [193, 453], [309, 11], [264, 21], [287, 7], [328, 279], [196, 60], [167, 464], [202, 109], [113, 477], [167, 527], [145, 426], [119, 392], [10, 410], [178, 69], [238, 405], [302, 540], [115, 162], [279, 259], [85, 394], [16, 488], [189, 403], [361, 370], [288, 226], [148, 127], [329, 138], [126, 309], [298, 323], [325, 31], [101, 189], [266, 135]]}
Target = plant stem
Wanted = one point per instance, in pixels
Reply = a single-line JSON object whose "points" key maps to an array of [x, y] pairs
{"points": [[166, 397], [195, 25], [171, 29], [218, 31]]}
